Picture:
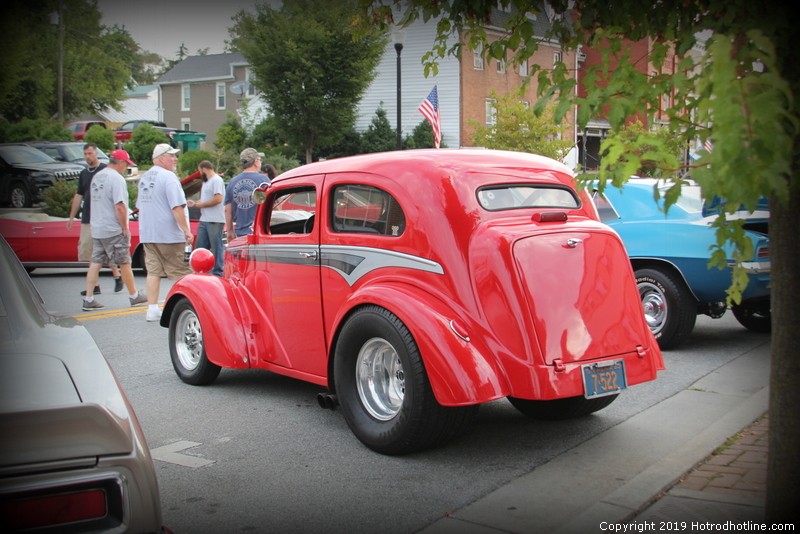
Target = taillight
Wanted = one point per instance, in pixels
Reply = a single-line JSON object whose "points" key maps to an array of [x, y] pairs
{"points": [[85, 505], [54, 510], [762, 253]]}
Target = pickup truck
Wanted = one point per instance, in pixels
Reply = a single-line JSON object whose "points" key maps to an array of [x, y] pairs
{"points": [[123, 133]]}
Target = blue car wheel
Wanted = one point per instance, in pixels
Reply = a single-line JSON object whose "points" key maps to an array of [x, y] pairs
{"points": [[669, 307]]}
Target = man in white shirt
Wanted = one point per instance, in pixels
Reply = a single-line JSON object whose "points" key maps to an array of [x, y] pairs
{"points": [[212, 214], [164, 229], [111, 236]]}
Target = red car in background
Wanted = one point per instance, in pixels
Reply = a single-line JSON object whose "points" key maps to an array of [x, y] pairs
{"points": [[40, 240], [79, 128], [417, 285]]}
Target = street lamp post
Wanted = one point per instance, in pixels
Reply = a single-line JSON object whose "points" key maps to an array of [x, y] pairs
{"points": [[397, 38]]}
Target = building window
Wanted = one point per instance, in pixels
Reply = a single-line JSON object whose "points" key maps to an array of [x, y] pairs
{"points": [[501, 66], [221, 95], [557, 57], [186, 124], [186, 97], [477, 58], [250, 77], [523, 68], [491, 112]]}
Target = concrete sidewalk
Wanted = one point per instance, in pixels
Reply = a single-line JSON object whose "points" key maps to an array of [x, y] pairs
{"points": [[644, 468]]}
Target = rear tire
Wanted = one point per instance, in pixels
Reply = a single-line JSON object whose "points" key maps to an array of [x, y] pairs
{"points": [[669, 308], [555, 410], [755, 318], [186, 347], [383, 388]]}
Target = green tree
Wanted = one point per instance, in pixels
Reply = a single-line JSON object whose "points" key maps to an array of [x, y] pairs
{"points": [[518, 127], [310, 65], [33, 130], [741, 93], [422, 137], [379, 136], [95, 60]]}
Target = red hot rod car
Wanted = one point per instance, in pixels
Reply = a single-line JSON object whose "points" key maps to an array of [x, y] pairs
{"points": [[417, 285]]}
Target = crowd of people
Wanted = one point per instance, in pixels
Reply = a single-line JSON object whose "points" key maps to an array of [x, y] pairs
{"points": [[163, 213]]}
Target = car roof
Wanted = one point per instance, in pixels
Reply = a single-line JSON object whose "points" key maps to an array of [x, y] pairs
{"points": [[461, 161]]}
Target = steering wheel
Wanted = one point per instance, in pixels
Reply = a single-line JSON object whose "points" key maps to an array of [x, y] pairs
{"points": [[308, 225]]}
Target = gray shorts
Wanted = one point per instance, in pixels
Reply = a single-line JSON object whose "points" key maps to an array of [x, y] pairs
{"points": [[116, 249]]}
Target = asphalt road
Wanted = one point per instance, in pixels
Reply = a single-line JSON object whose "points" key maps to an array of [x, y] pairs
{"points": [[253, 452]]}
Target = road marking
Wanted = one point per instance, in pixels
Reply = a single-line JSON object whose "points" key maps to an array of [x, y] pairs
{"points": [[114, 312], [169, 453]]}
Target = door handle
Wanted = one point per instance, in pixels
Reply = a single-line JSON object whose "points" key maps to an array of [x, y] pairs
{"points": [[310, 255]]}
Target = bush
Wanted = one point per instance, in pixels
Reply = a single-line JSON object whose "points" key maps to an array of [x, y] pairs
{"points": [[58, 198], [133, 194], [188, 161], [102, 137], [143, 141]]}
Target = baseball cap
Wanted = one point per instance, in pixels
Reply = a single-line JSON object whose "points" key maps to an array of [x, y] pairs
{"points": [[121, 155], [163, 148], [249, 155]]}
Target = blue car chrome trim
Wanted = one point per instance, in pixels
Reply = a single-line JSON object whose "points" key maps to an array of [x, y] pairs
{"points": [[349, 261]]}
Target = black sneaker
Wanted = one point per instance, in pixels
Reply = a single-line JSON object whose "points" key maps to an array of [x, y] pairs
{"points": [[96, 291], [117, 284]]}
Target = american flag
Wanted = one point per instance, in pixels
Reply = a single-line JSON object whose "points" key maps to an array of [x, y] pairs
{"points": [[708, 145], [430, 110]]}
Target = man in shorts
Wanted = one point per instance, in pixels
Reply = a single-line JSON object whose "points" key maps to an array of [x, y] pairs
{"points": [[82, 196], [164, 227], [111, 236]]}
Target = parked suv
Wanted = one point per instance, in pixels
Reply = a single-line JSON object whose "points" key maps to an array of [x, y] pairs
{"points": [[67, 151], [25, 172]]}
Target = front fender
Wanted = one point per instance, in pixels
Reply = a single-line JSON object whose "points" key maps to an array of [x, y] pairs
{"points": [[461, 371], [214, 301]]}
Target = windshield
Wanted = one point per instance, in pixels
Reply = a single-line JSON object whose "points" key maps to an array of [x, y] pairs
{"points": [[21, 155], [690, 200]]}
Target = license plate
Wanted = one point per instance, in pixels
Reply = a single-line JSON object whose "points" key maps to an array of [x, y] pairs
{"points": [[603, 378]]}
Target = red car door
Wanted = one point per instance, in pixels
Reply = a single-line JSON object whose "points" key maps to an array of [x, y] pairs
{"points": [[284, 272]]}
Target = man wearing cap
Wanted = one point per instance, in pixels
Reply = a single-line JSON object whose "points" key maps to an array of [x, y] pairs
{"points": [[82, 196], [111, 237], [164, 228], [240, 210]]}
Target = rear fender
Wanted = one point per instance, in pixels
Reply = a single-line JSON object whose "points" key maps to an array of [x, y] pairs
{"points": [[461, 369], [214, 300]]}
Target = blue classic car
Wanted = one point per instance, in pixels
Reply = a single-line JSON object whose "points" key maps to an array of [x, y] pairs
{"points": [[670, 255]]}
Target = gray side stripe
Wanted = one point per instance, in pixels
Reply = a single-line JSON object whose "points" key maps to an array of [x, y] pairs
{"points": [[351, 262]]}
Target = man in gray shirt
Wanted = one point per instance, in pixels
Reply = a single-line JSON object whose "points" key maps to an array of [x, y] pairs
{"points": [[111, 236]]}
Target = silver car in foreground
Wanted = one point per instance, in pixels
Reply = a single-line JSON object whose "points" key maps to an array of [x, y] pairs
{"points": [[73, 457]]}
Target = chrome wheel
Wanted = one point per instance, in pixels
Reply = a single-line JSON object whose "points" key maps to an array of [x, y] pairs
{"points": [[189, 340], [19, 197], [654, 305], [380, 379]]}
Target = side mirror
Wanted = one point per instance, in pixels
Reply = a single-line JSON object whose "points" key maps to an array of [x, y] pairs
{"points": [[260, 194]]}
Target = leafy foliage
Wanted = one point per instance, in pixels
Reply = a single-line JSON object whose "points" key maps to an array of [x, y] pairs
{"points": [[102, 137], [143, 140], [379, 136], [519, 128], [314, 81], [230, 135], [58, 198], [33, 130]]}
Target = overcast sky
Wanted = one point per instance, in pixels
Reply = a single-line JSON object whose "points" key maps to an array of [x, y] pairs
{"points": [[161, 26]]}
